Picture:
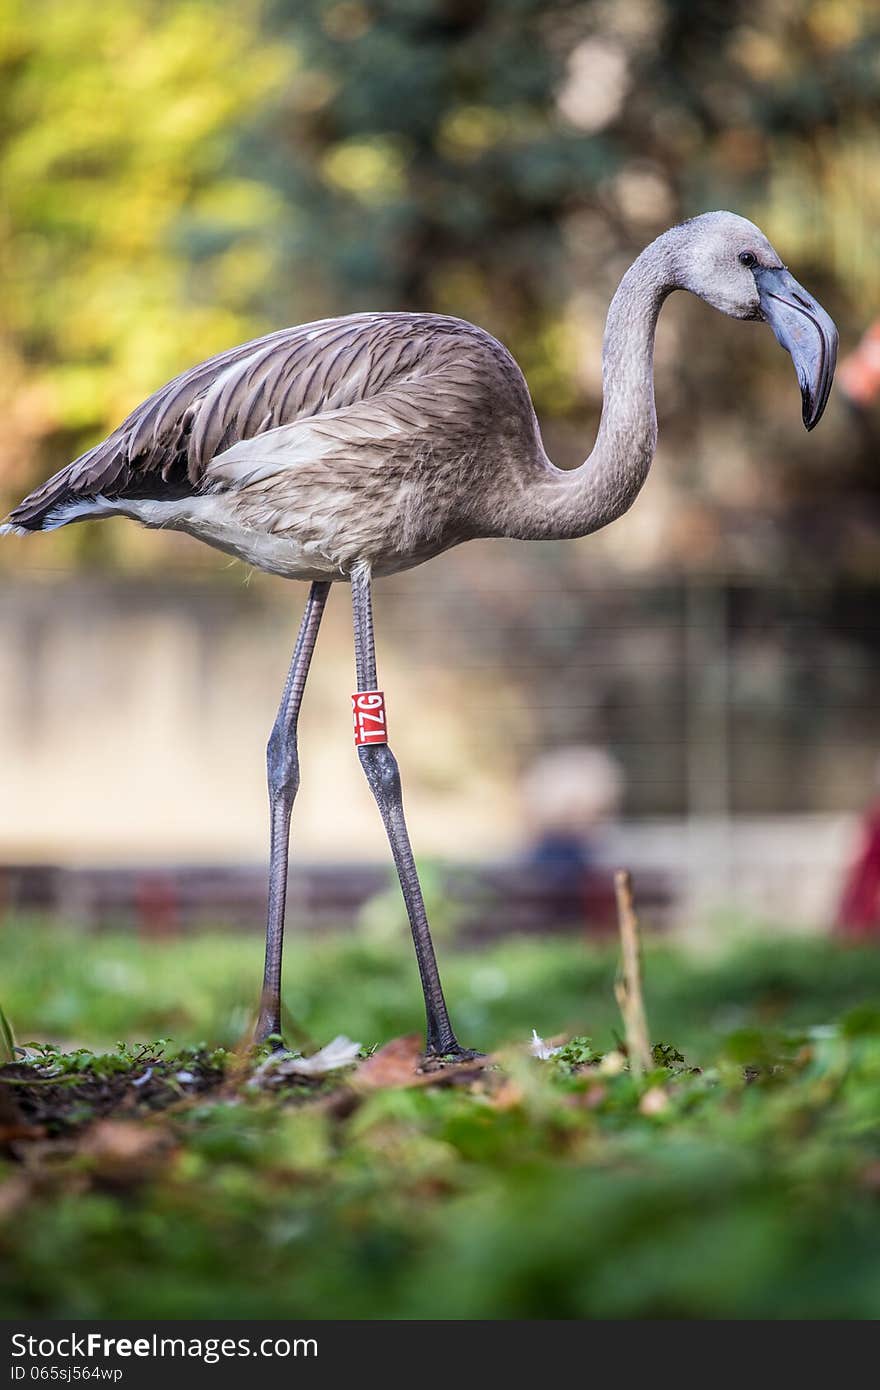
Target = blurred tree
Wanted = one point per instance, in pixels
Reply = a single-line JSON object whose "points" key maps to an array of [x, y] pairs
{"points": [[177, 176], [428, 164], [130, 244], [434, 150], [504, 159]]}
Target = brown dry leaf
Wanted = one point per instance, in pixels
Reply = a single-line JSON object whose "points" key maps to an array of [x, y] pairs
{"points": [[594, 1095], [124, 1150], [13, 1195], [13, 1132], [654, 1101], [508, 1095], [869, 1177], [402, 1063], [395, 1064]]}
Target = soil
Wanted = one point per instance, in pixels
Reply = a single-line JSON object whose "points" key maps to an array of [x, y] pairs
{"points": [[32, 1098]]}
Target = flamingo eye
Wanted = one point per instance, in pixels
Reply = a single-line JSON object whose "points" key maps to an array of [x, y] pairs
{"points": [[748, 259]]}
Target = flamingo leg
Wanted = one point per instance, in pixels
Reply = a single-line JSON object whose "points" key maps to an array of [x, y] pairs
{"points": [[383, 776], [282, 763]]}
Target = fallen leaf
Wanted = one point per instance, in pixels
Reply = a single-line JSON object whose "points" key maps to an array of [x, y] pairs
{"points": [[395, 1064], [654, 1101], [870, 1177], [612, 1064], [9, 1134], [124, 1150], [508, 1095], [13, 1195]]}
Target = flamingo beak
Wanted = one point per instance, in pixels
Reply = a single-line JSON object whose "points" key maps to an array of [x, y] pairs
{"points": [[805, 331]]}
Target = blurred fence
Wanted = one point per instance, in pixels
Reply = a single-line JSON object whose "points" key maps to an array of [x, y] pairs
{"points": [[134, 715], [479, 903], [787, 870]]}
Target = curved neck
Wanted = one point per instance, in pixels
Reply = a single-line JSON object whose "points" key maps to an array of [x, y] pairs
{"points": [[574, 502]]}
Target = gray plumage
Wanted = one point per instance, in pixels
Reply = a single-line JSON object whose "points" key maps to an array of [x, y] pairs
{"points": [[340, 438]]}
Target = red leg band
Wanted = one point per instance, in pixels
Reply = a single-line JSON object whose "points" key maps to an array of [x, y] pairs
{"points": [[370, 725]]}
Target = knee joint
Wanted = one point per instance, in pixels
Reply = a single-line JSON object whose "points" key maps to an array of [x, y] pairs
{"points": [[282, 766]]}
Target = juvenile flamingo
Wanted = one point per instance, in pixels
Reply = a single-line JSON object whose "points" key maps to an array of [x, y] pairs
{"points": [[355, 447]]}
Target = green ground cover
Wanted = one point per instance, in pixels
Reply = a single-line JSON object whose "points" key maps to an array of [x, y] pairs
{"points": [[744, 1182]]}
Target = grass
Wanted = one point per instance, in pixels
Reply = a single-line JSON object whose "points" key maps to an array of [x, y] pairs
{"points": [[742, 1183], [63, 986]]}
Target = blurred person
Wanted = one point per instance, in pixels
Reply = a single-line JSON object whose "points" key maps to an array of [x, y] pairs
{"points": [[568, 795]]}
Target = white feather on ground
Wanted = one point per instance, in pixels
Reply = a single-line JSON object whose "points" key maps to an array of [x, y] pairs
{"points": [[341, 1052], [543, 1051]]}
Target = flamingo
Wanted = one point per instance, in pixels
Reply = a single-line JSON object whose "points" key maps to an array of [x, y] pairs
{"points": [[355, 447]]}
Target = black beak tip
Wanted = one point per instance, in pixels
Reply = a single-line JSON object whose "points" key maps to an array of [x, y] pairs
{"points": [[814, 402]]}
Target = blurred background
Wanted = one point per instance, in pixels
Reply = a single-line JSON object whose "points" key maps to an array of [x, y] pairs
{"points": [[692, 692]]}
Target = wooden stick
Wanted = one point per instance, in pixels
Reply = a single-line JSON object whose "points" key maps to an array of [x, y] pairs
{"points": [[628, 985]]}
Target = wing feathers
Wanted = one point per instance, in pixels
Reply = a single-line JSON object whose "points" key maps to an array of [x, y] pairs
{"points": [[355, 383]]}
